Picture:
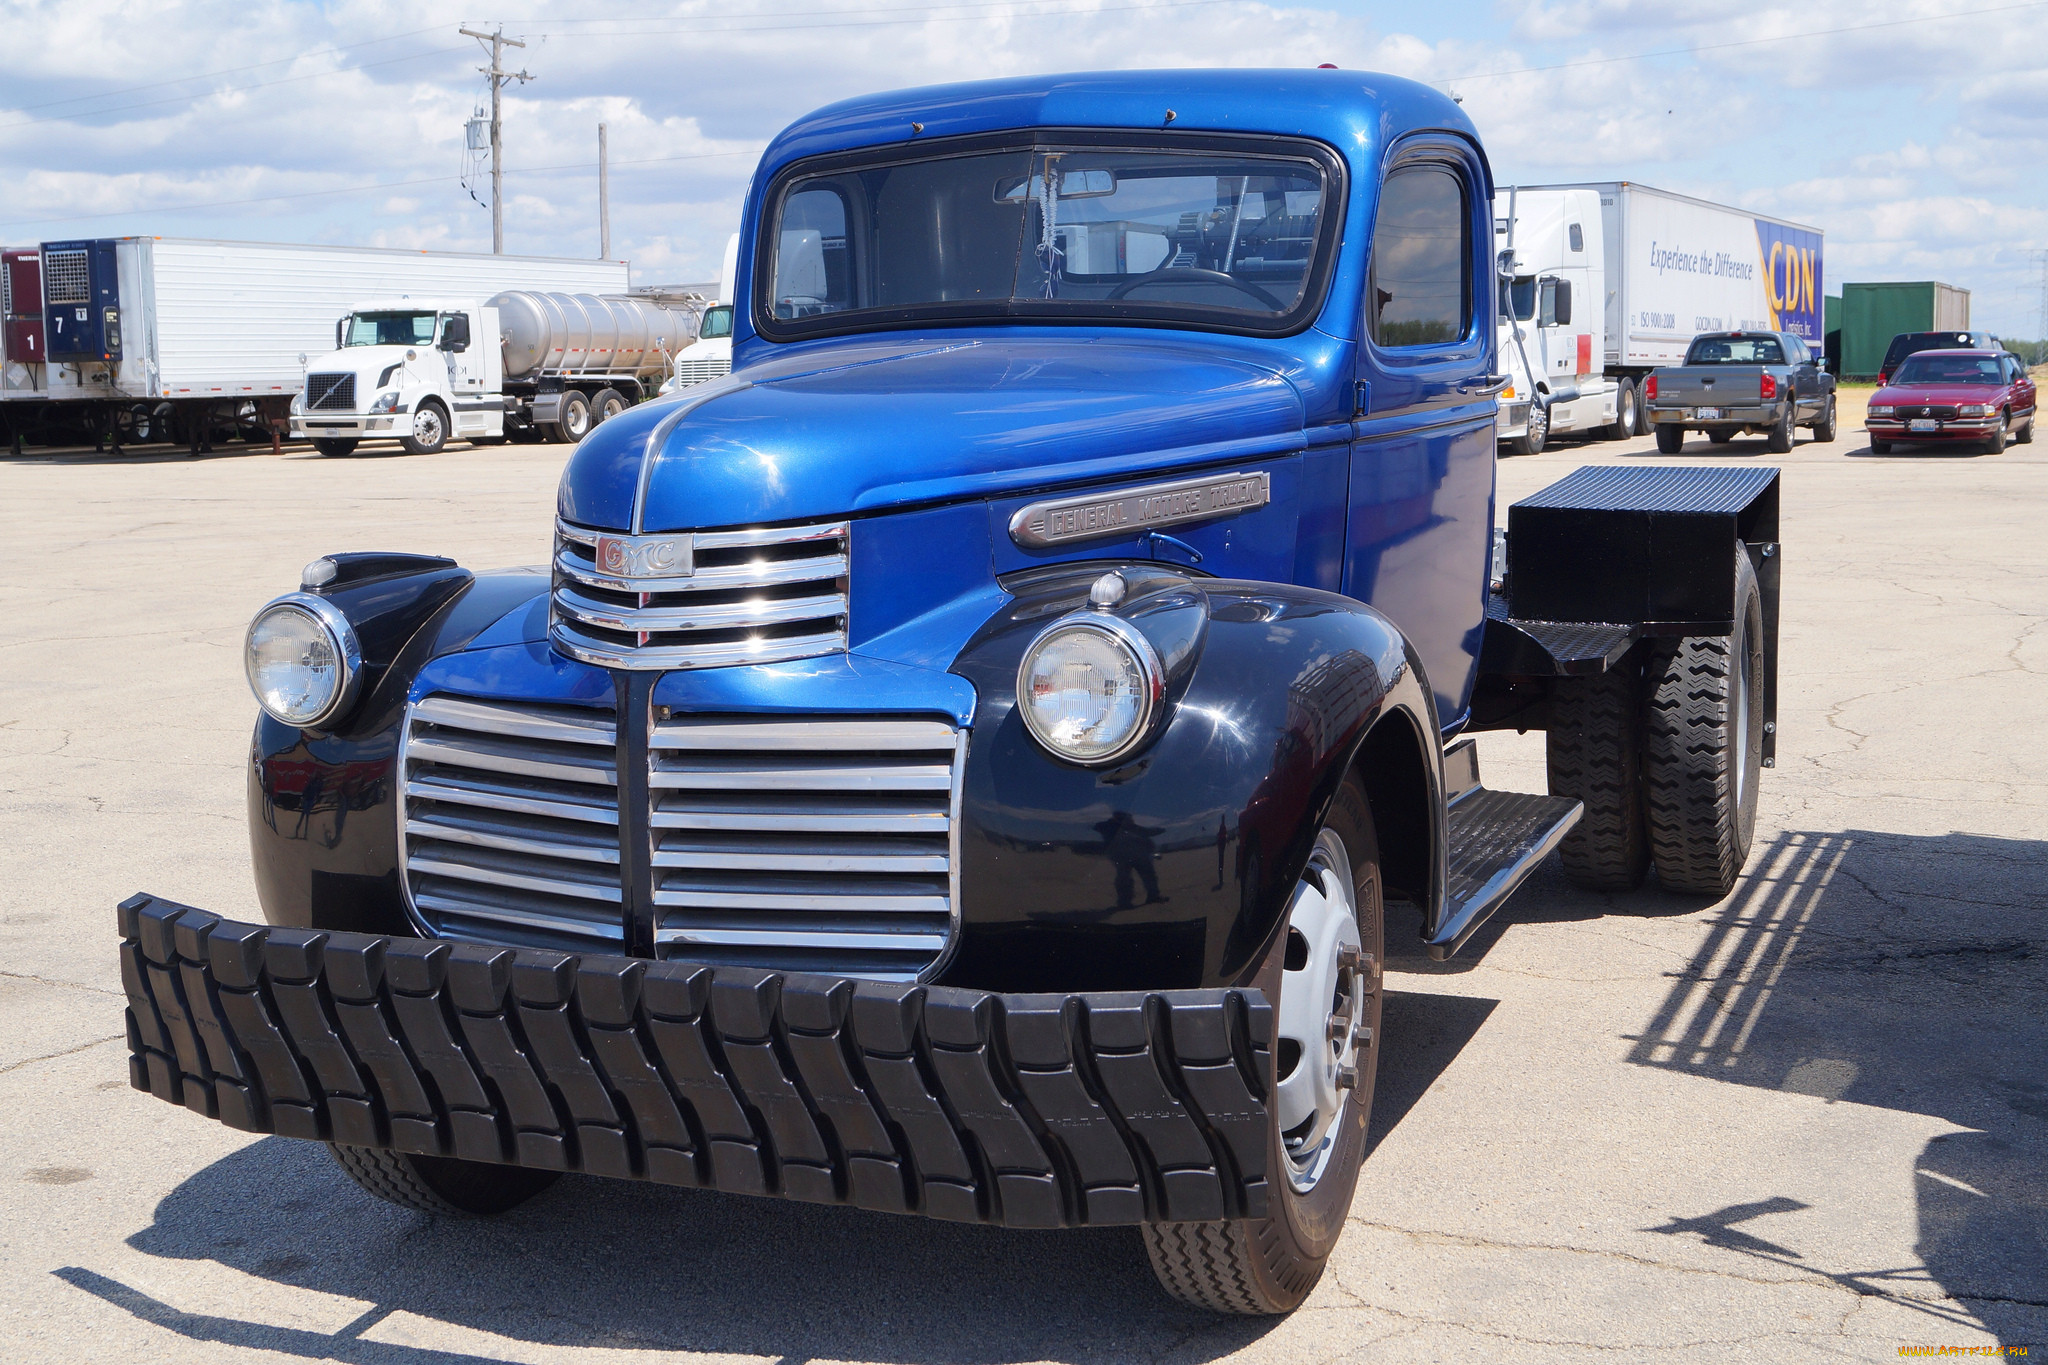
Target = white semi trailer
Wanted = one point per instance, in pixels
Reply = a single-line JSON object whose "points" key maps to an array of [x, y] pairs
{"points": [[154, 337], [523, 364], [1603, 282]]}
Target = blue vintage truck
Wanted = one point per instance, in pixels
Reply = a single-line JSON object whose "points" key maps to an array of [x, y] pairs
{"points": [[959, 763]]}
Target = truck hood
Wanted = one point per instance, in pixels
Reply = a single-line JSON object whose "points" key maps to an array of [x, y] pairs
{"points": [[881, 423], [369, 362]]}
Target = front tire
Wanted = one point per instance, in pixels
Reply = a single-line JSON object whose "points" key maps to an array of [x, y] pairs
{"points": [[1878, 447], [334, 447], [1595, 751], [429, 431], [439, 1184], [1703, 747], [1994, 443], [1322, 1095], [1535, 432], [1670, 437]]}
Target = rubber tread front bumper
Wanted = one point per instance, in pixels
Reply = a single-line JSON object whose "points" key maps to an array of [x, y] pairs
{"points": [[1023, 1110]]}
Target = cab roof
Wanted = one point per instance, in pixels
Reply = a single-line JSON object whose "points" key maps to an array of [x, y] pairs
{"points": [[1357, 112]]}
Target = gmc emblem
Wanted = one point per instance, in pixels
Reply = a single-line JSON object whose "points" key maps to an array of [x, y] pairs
{"points": [[672, 556]]}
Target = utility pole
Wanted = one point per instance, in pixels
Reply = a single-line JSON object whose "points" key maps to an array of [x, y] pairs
{"points": [[2041, 335], [498, 76], [604, 197]]}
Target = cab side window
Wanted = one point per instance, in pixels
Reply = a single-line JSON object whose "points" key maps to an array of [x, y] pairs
{"points": [[1420, 288]]}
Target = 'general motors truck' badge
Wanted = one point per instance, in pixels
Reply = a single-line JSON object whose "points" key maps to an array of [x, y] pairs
{"points": [[1097, 516]]}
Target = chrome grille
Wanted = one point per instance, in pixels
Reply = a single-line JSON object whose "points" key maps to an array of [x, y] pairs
{"points": [[752, 596], [511, 823], [812, 844], [690, 372], [331, 392], [67, 277]]}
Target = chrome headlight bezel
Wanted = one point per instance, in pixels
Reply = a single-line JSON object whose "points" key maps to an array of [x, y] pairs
{"points": [[386, 401], [341, 637], [1144, 658]]}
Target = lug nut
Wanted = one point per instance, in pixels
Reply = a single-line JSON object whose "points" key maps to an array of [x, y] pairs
{"points": [[1347, 958], [1340, 1027], [1347, 1078]]}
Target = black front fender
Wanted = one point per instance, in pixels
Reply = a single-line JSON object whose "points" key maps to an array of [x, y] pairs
{"points": [[1173, 868]]}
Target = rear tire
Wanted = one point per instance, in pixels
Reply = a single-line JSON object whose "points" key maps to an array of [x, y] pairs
{"points": [[334, 447], [1595, 751], [2025, 435], [1778, 437], [1269, 1265], [574, 421], [439, 1184], [1703, 747], [1626, 406], [607, 404], [1825, 430], [1535, 432], [1670, 437]]}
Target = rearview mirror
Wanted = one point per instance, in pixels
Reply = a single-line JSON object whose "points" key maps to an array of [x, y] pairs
{"points": [[455, 332], [1564, 303], [1073, 185]]}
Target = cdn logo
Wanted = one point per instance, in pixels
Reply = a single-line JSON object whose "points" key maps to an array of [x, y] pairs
{"points": [[646, 556]]}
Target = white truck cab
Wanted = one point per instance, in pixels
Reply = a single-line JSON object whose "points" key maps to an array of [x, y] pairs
{"points": [[1553, 309], [710, 355], [420, 369]]}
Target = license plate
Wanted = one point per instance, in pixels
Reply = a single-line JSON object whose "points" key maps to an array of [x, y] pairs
{"points": [[1923, 424], [1707, 414]]}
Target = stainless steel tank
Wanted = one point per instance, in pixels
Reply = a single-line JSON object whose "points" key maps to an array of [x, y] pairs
{"points": [[585, 333]]}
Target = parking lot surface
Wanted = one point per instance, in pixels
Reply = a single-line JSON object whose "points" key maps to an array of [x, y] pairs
{"points": [[1809, 1122]]}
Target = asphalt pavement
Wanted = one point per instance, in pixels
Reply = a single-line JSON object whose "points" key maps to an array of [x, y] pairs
{"points": [[1809, 1122]]}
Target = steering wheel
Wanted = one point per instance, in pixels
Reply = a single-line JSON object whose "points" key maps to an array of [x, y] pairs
{"points": [[1188, 272]]}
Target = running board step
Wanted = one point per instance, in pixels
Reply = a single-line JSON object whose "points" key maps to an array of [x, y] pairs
{"points": [[1495, 841]]}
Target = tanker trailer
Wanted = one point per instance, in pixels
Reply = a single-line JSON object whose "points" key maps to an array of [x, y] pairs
{"points": [[572, 360]]}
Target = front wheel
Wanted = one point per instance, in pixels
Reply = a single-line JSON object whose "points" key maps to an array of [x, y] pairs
{"points": [[334, 447], [1994, 441], [429, 430], [1534, 432], [440, 1184], [1325, 1059], [1670, 437], [1878, 447]]}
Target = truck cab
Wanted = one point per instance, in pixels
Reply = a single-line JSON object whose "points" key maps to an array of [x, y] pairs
{"points": [[962, 761], [1553, 315], [420, 369]]}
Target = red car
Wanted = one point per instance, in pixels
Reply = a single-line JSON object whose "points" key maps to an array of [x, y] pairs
{"points": [[1978, 397]]}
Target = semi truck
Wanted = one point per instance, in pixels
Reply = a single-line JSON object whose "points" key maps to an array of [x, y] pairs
{"points": [[1605, 281], [153, 338], [958, 763], [522, 364], [710, 355]]}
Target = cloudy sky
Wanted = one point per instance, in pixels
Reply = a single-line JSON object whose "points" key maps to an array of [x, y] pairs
{"points": [[1914, 132]]}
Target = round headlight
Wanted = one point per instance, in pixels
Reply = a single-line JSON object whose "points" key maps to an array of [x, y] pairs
{"points": [[1088, 688], [302, 660]]}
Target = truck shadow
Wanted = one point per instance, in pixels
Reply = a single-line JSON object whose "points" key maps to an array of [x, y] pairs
{"points": [[595, 1263], [1906, 972]]}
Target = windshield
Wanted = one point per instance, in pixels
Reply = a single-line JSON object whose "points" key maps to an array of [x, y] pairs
{"points": [[1735, 351], [1214, 237], [1950, 369], [717, 323], [390, 329]]}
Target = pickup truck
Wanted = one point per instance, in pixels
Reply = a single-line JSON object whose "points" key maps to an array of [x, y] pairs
{"points": [[958, 763], [1737, 382]]}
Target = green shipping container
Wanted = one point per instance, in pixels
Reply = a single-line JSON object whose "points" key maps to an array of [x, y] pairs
{"points": [[1872, 314]]}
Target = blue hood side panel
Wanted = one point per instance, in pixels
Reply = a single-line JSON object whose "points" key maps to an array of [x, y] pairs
{"points": [[528, 671], [835, 683]]}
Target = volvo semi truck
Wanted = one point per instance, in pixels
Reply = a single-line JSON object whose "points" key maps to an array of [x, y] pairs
{"points": [[1600, 283]]}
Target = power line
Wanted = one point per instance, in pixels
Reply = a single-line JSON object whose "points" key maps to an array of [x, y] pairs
{"points": [[321, 50], [366, 189]]}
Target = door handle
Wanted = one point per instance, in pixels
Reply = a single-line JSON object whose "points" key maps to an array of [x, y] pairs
{"points": [[1492, 384]]}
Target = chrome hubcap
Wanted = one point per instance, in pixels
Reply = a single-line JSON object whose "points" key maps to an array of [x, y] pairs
{"points": [[1323, 990], [426, 426]]}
